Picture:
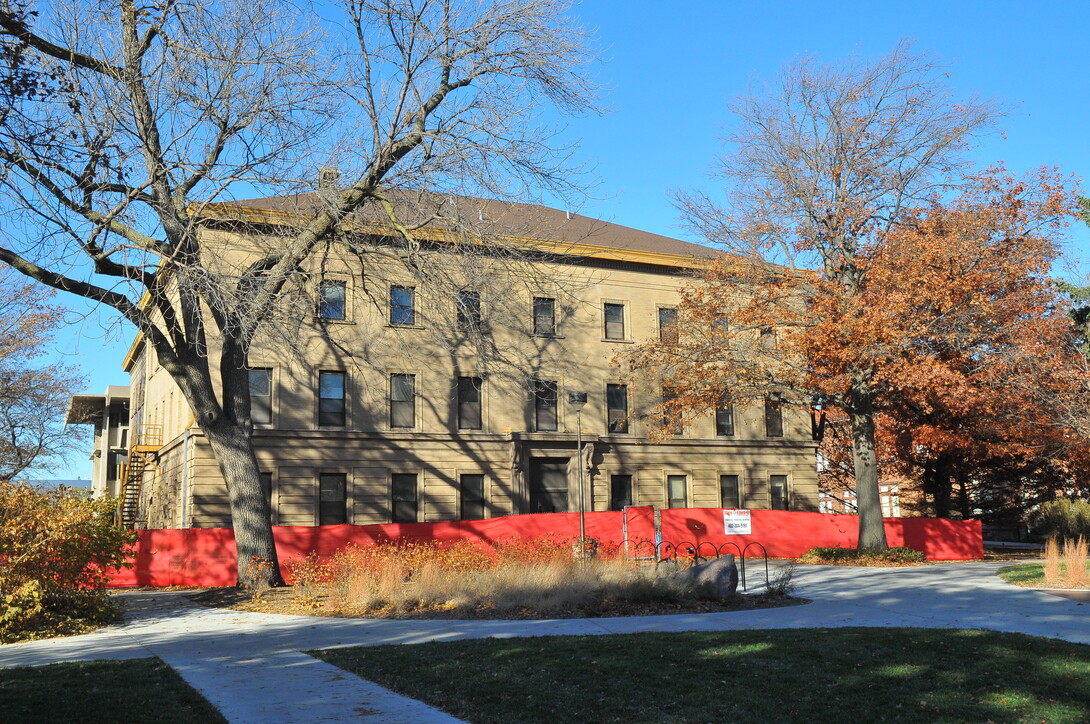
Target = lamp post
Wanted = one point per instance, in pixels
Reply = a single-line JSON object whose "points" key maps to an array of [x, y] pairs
{"points": [[577, 400]]}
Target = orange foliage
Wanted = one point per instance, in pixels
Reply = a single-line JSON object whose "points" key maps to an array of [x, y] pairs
{"points": [[951, 320]]}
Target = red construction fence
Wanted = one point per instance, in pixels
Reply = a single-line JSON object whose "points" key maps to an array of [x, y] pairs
{"points": [[206, 556]]}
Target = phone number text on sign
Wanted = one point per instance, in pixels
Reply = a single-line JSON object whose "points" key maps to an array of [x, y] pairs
{"points": [[737, 522]]}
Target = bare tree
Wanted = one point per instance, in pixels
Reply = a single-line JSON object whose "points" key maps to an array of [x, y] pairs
{"points": [[33, 394], [822, 167], [168, 108]]}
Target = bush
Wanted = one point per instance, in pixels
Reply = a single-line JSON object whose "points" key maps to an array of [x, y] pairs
{"points": [[469, 578], [1062, 518], [895, 556], [782, 582], [57, 551]]}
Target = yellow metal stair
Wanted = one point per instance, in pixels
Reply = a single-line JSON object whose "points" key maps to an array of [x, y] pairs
{"points": [[147, 442]]}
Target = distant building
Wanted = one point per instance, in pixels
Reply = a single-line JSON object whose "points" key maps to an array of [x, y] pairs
{"points": [[109, 413]]}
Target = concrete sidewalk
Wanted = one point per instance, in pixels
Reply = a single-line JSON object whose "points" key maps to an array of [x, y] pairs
{"points": [[250, 666]]}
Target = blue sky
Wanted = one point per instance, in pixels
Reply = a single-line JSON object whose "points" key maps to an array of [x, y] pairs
{"points": [[669, 68]]}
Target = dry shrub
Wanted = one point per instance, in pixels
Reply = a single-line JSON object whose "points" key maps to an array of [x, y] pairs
{"points": [[1052, 569], [470, 577], [1075, 557], [309, 575], [838, 556], [58, 550]]}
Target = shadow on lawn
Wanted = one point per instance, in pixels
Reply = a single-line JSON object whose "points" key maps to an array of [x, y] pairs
{"points": [[899, 675]]}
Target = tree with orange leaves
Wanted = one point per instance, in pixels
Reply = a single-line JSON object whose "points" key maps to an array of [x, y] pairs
{"points": [[838, 244], [955, 325]]}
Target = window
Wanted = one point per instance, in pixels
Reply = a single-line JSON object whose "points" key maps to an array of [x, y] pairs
{"points": [[675, 486], [617, 408], [469, 403], [777, 490], [261, 396], [331, 398], [730, 494], [544, 317], [472, 487], [544, 405], [403, 494], [620, 491], [331, 300], [548, 484], [114, 463], [266, 488], [468, 308], [891, 501], [668, 325], [402, 306], [724, 417], [671, 413], [773, 416], [403, 401], [614, 320], [331, 499]]}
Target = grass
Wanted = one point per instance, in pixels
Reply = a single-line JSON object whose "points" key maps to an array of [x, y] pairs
{"points": [[1030, 575], [1063, 567], [815, 675], [139, 690], [514, 579]]}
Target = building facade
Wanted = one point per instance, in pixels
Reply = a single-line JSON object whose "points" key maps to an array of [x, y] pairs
{"points": [[441, 393], [109, 414]]}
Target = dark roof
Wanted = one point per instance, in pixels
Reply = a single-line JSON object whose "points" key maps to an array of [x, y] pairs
{"points": [[529, 221]]}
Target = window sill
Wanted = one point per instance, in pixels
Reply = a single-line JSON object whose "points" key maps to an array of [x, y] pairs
{"points": [[404, 326], [547, 336], [618, 341]]}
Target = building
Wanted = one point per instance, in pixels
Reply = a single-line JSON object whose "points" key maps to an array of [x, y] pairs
{"points": [[109, 413], [390, 396]]}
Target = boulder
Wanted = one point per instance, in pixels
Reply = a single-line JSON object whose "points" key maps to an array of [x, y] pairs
{"points": [[717, 578]]}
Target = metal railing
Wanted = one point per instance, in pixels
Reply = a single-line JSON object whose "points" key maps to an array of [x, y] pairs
{"points": [[693, 553]]}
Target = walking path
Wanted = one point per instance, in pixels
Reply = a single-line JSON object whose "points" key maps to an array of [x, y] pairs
{"points": [[250, 665]]}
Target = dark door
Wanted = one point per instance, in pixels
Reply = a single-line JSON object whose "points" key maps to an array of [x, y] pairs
{"points": [[549, 485]]}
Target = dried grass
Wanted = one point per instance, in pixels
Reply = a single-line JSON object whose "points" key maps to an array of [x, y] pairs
{"points": [[1075, 557], [1065, 566], [506, 578], [1052, 570]]}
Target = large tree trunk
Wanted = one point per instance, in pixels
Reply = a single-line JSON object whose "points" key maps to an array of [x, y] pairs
{"points": [[872, 532], [250, 511], [941, 488], [963, 497]]}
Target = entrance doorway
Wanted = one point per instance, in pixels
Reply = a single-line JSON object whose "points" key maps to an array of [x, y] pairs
{"points": [[549, 485]]}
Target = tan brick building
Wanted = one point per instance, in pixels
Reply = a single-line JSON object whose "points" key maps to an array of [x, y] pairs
{"points": [[443, 393]]}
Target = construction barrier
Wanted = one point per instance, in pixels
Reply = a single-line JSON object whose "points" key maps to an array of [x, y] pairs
{"points": [[206, 556]]}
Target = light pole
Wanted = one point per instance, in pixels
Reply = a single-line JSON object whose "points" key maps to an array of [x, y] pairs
{"points": [[577, 400]]}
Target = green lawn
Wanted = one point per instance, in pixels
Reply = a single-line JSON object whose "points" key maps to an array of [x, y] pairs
{"points": [[811, 675], [1031, 575], [139, 690]]}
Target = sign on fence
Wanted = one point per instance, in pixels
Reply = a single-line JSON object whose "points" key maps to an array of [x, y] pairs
{"points": [[737, 522]]}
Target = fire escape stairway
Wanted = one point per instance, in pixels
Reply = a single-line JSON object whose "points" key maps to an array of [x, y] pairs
{"points": [[141, 455]]}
